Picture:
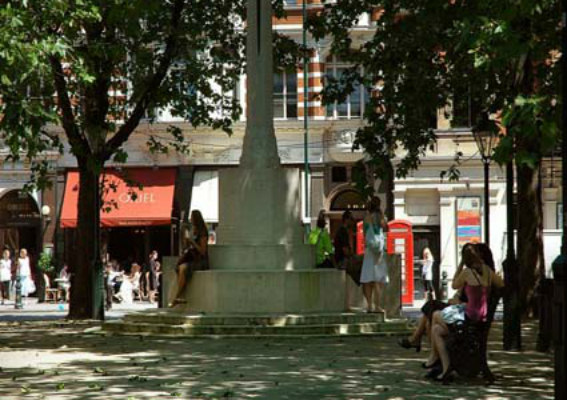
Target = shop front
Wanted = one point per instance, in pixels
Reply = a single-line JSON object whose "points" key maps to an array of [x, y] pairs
{"points": [[20, 223], [137, 214]]}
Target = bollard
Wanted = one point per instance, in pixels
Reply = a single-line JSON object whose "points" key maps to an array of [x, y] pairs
{"points": [[559, 326], [18, 303], [444, 284]]}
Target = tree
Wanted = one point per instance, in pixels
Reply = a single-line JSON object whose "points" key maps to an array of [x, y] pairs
{"points": [[95, 68], [504, 54], [400, 67]]}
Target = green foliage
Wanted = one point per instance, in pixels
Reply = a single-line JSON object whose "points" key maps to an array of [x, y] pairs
{"points": [[423, 52], [45, 263]]}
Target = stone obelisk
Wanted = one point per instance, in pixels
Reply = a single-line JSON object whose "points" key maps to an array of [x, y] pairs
{"points": [[260, 263]]}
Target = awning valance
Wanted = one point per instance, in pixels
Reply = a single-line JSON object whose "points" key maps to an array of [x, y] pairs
{"points": [[124, 204]]}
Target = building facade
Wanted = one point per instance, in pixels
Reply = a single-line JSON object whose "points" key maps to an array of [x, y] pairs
{"points": [[443, 214]]}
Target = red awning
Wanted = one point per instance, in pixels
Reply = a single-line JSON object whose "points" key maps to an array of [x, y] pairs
{"points": [[151, 205]]}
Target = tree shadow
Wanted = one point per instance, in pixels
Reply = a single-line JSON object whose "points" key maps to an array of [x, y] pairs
{"points": [[61, 362]]}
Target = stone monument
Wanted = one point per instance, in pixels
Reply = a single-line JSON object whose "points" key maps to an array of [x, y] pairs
{"points": [[260, 262]]}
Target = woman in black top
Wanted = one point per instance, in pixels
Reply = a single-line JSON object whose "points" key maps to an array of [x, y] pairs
{"points": [[194, 258]]}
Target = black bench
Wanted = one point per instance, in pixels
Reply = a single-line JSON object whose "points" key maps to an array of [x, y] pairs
{"points": [[467, 343]]}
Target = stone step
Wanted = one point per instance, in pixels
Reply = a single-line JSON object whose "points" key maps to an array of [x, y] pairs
{"points": [[375, 328], [175, 318]]}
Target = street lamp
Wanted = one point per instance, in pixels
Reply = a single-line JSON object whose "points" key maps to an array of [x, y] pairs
{"points": [[485, 136], [45, 214]]}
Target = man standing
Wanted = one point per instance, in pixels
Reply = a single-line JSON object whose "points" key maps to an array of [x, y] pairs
{"points": [[150, 281], [345, 246]]}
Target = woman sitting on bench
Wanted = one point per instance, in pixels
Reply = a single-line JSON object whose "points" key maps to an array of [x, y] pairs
{"points": [[475, 278], [194, 258]]}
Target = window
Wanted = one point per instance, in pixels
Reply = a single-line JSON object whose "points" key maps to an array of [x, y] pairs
{"points": [[339, 174], [285, 94], [465, 110], [353, 107], [290, 2]]}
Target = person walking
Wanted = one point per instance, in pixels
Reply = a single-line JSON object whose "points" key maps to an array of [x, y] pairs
{"points": [[427, 274], [374, 274], [5, 275], [23, 263]]}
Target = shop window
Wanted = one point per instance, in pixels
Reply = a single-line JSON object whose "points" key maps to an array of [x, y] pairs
{"points": [[339, 174], [285, 94], [353, 106], [348, 200]]}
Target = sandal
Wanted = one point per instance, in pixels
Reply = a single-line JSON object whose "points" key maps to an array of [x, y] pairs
{"points": [[408, 344], [176, 302]]}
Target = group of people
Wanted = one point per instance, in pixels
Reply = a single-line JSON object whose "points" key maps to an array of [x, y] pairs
{"points": [[140, 282], [473, 281], [341, 252], [9, 270]]}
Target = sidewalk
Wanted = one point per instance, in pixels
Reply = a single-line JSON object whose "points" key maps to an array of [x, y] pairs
{"points": [[34, 311], [55, 360]]}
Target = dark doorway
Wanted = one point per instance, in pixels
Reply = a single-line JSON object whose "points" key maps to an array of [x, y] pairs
{"points": [[426, 237]]}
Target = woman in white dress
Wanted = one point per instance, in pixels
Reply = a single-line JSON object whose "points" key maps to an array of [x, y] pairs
{"points": [[374, 274], [5, 274], [130, 284], [23, 261]]}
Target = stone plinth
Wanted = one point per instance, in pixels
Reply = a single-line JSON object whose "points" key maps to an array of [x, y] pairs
{"points": [[269, 291], [260, 221]]}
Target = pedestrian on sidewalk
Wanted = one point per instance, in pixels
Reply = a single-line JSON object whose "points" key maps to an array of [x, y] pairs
{"points": [[23, 262], [427, 273], [5, 275]]}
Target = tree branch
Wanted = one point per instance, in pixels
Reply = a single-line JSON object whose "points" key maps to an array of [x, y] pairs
{"points": [[152, 86], [64, 104]]}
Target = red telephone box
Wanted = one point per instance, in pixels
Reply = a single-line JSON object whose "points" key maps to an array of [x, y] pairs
{"points": [[360, 238], [399, 240]]}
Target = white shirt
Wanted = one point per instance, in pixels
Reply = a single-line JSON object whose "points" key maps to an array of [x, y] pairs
{"points": [[25, 270], [5, 270], [427, 271]]}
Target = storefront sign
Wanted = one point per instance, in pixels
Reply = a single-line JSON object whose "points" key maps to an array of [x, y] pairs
{"points": [[468, 221]]}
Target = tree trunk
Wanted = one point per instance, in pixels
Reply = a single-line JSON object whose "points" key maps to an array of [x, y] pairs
{"points": [[82, 283], [530, 234]]}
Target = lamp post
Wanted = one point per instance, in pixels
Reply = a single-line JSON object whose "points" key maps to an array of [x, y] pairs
{"points": [[45, 221], [306, 113], [485, 137]]}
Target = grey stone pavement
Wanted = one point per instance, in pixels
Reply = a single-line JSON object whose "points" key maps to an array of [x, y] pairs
{"points": [[50, 358]]}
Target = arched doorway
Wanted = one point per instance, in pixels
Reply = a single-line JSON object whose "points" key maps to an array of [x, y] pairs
{"points": [[20, 223], [345, 199]]}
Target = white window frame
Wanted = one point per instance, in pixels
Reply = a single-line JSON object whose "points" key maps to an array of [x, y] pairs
{"points": [[284, 77], [333, 65]]}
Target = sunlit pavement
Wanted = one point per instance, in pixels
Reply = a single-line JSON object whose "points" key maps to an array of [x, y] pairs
{"points": [[55, 360], [34, 311]]}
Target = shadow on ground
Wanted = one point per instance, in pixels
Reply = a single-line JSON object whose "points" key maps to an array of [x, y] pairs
{"points": [[57, 361]]}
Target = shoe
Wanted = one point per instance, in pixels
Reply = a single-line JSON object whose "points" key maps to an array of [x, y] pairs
{"points": [[433, 373], [176, 302], [407, 344], [445, 377], [429, 366]]}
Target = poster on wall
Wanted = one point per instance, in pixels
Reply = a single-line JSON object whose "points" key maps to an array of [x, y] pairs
{"points": [[468, 221]]}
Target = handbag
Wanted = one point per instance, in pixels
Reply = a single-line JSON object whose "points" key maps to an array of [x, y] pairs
{"points": [[375, 241]]}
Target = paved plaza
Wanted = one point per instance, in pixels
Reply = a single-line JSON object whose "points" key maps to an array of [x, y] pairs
{"points": [[56, 360]]}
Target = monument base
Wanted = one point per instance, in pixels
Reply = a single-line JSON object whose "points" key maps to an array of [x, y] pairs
{"points": [[264, 291]]}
